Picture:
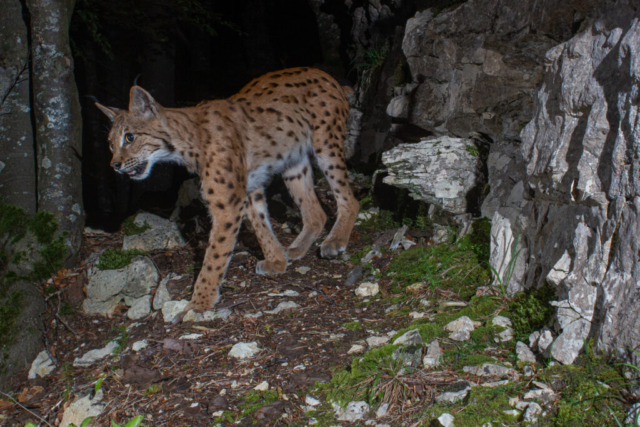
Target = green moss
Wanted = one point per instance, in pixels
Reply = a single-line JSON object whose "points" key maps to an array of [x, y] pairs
{"points": [[44, 227], [484, 405], [479, 308], [472, 150], [484, 335], [353, 326], [531, 310], [113, 259], [458, 267], [13, 222], [53, 255], [254, 400], [590, 393], [350, 384], [130, 228]]}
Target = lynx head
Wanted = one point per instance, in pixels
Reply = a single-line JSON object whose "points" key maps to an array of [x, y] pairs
{"points": [[138, 138]]}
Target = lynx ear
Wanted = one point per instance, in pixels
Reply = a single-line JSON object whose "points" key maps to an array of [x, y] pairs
{"points": [[109, 111], [141, 102]]}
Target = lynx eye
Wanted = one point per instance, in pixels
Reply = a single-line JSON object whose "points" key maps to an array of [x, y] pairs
{"points": [[129, 137]]}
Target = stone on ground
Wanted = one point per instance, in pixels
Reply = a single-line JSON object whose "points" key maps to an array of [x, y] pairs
{"points": [[451, 397], [434, 355], [367, 289], [171, 309], [139, 345], [96, 355], [409, 337], [283, 306], [140, 308], [507, 333], [354, 411], [524, 353], [163, 234], [41, 366], [162, 293], [377, 341], [82, 408], [244, 350], [446, 420], [460, 328], [490, 370]]}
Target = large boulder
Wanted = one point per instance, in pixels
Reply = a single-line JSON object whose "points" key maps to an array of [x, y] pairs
{"points": [[161, 234], [575, 202], [441, 171]]}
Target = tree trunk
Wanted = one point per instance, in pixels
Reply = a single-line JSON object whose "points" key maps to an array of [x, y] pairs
{"points": [[58, 121], [17, 167]]}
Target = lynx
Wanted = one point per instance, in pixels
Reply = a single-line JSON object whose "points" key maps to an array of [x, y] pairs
{"points": [[274, 125]]}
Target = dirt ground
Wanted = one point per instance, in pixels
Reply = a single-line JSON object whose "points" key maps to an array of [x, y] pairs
{"points": [[177, 382]]}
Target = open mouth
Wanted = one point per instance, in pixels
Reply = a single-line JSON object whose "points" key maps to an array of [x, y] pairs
{"points": [[137, 170]]}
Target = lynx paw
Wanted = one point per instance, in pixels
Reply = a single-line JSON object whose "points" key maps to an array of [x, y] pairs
{"points": [[268, 268], [330, 248]]}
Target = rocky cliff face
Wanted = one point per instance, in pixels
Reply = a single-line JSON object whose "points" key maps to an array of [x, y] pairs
{"points": [[576, 199]]}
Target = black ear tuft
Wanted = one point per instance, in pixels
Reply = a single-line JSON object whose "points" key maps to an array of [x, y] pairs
{"points": [[109, 111]]}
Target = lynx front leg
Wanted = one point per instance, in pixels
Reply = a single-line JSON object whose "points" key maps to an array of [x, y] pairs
{"points": [[275, 261], [227, 213]]}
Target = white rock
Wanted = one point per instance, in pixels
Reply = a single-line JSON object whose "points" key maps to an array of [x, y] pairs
{"points": [[193, 316], [507, 333], [409, 337], [513, 412], [491, 370], [533, 340], [433, 357], [162, 293], [451, 397], [415, 315], [367, 289], [495, 384], [382, 410], [570, 342], [446, 420], [253, 315], [356, 349], [82, 408], [222, 313], [377, 341], [283, 306], [311, 401], [524, 353], [502, 321], [303, 270], [172, 308], [96, 355], [532, 413], [263, 386], [140, 308], [287, 293], [41, 366], [542, 394], [163, 234], [355, 411], [191, 336], [460, 328], [244, 350], [139, 345], [544, 341]]}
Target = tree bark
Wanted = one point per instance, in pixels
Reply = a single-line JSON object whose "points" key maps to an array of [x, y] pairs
{"points": [[58, 121], [17, 166]]}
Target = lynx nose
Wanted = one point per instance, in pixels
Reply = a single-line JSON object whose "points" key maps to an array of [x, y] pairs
{"points": [[116, 166]]}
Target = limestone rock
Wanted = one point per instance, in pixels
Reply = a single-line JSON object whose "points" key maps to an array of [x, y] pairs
{"points": [[139, 345], [163, 234], [41, 366], [451, 397], [94, 356], [244, 350], [353, 412], [283, 306], [490, 370], [446, 420], [377, 341], [440, 171], [171, 309], [507, 333], [410, 355], [524, 354], [162, 293], [140, 308], [433, 359], [106, 288], [460, 328], [409, 337], [82, 408], [367, 289]]}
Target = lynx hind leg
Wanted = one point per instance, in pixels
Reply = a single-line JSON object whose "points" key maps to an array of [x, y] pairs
{"points": [[275, 261], [330, 156], [299, 181]]}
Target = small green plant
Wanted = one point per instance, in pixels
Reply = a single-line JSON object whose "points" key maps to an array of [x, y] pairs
{"points": [[130, 228], [472, 150], [113, 259], [133, 422], [511, 267], [371, 59], [353, 326], [122, 340]]}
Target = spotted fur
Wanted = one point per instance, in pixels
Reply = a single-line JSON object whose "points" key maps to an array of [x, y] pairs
{"points": [[274, 125]]}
